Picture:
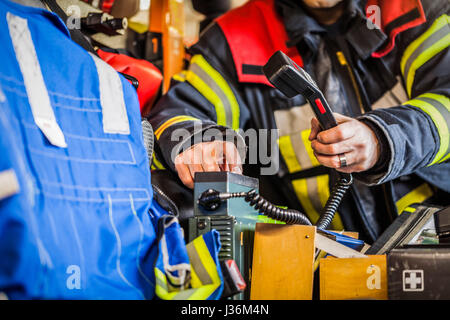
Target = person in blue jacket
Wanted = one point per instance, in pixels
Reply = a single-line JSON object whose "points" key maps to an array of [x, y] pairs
{"points": [[79, 218]]}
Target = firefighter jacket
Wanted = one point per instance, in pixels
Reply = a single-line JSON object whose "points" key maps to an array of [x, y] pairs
{"points": [[384, 62]]}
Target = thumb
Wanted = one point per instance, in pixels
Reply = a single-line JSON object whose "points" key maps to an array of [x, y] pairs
{"points": [[315, 129], [341, 118]]}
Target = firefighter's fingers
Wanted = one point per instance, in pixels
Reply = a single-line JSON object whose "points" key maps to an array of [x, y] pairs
{"points": [[315, 129], [334, 148], [188, 163], [211, 156], [232, 158], [333, 161], [357, 154], [345, 129], [183, 171]]}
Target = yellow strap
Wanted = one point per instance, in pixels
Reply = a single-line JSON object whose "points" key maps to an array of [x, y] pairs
{"points": [[439, 120], [418, 195], [156, 165], [426, 52], [172, 121], [181, 76]]}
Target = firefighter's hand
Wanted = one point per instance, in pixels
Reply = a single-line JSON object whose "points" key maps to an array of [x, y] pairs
{"points": [[207, 157], [352, 138]]}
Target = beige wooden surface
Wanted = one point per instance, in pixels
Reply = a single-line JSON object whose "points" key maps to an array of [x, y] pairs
{"points": [[283, 259], [353, 278]]}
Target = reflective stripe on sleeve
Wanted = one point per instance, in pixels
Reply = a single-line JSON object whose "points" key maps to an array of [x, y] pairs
{"points": [[171, 122], [424, 48], [211, 84], [438, 108]]}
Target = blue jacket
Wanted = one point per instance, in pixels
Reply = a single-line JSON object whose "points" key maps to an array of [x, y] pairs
{"points": [[78, 219]]}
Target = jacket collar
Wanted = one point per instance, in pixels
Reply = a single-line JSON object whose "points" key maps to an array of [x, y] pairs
{"points": [[304, 31]]}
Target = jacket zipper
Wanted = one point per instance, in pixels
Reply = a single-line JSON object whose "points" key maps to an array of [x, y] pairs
{"points": [[343, 61]]}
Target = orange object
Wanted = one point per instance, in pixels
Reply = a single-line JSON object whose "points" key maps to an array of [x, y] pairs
{"points": [[353, 278], [167, 18], [283, 257]]}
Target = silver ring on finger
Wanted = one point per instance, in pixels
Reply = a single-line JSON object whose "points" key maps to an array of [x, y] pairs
{"points": [[342, 160]]}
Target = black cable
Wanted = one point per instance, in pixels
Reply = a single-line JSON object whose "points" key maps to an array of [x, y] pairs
{"points": [[211, 200], [333, 202]]}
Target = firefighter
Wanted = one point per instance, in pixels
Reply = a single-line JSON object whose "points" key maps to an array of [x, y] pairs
{"points": [[383, 67]]}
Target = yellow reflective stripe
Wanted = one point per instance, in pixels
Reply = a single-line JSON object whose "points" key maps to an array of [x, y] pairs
{"points": [[209, 94], [288, 153], [301, 190], [156, 164], [409, 209], [195, 280], [198, 290], [430, 43], [209, 265], [440, 117], [206, 259], [161, 288], [181, 76], [323, 187], [308, 195], [305, 134], [172, 121], [223, 86], [418, 195]]}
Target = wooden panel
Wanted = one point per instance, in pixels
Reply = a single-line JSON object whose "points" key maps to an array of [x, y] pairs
{"points": [[283, 257], [353, 278]]}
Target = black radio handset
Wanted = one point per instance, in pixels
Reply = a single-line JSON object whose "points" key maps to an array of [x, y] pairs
{"points": [[292, 80], [285, 75]]}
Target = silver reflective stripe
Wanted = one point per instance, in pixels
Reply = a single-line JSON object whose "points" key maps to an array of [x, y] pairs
{"points": [[2, 96], [34, 81], [217, 90], [443, 110], [294, 120], [9, 185], [425, 45], [115, 118]]}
